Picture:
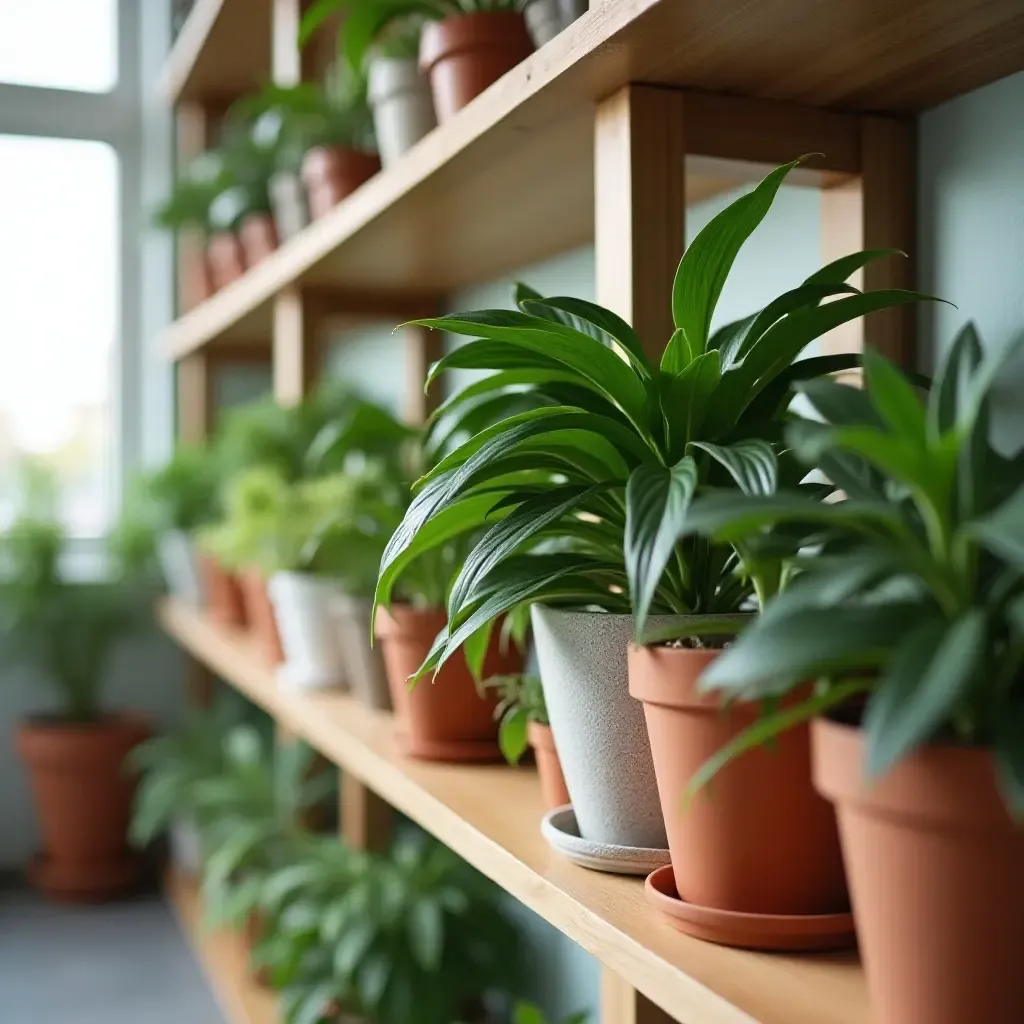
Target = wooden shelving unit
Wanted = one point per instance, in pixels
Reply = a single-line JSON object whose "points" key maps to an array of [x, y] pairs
{"points": [[490, 816], [223, 958], [603, 135]]}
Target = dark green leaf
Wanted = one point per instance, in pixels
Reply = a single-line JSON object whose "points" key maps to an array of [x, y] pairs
{"points": [[841, 269], [1009, 756], [751, 463], [925, 677], [894, 398], [688, 397], [951, 384], [512, 734], [426, 932], [1002, 530], [775, 398]]}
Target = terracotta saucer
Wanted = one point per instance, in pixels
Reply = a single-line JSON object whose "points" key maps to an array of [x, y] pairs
{"points": [[559, 828], [455, 752], [748, 931]]}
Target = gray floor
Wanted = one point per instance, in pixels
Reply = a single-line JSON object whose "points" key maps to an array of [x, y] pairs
{"points": [[122, 963]]}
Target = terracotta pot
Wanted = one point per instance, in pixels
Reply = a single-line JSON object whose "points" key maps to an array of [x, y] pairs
{"points": [[464, 54], [937, 879], [330, 173], [83, 797], [199, 279], [260, 615], [222, 593], [758, 839], [549, 768], [445, 719], [258, 235], [225, 257]]}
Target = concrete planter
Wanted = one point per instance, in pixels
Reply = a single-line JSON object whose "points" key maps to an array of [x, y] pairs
{"points": [[599, 729], [403, 109], [180, 566], [312, 651], [546, 18], [364, 667]]}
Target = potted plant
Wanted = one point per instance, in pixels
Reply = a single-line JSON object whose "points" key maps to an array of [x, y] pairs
{"points": [[188, 209], [170, 768], [181, 497], [464, 47], [398, 94], [907, 612], [587, 475], [65, 631], [528, 1013], [546, 18], [414, 937], [523, 718]]}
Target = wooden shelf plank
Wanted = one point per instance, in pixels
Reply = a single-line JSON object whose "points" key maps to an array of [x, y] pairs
{"points": [[510, 180], [490, 816], [222, 956], [223, 51]]}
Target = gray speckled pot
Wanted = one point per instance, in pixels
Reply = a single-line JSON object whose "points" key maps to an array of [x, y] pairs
{"points": [[599, 729]]}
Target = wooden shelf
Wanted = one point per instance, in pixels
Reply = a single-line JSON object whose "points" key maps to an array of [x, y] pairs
{"points": [[223, 958], [490, 816], [223, 51], [510, 180]]}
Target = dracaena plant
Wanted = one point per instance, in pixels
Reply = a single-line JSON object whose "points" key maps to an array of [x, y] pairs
{"points": [[587, 476], [369, 22], [909, 598]]}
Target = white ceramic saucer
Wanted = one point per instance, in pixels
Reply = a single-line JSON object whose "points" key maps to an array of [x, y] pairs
{"points": [[559, 828]]}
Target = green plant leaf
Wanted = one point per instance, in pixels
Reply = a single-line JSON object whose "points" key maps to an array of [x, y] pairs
{"points": [[311, 1009], [484, 354], [689, 394], [1009, 756], [840, 404], [527, 1013], [751, 463], [706, 264], [657, 500], [772, 656], [426, 932], [696, 625], [352, 947], [776, 396], [372, 980], [512, 734], [1002, 530], [925, 677], [894, 398], [475, 650], [841, 269], [951, 384]]}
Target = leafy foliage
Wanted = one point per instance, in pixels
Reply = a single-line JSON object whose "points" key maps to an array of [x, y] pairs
{"points": [[410, 938], [182, 493], [521, 702], [528, 1013], [910, 591], [595, 454]]}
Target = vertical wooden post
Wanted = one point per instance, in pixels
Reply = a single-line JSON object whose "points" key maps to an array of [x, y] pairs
{"points": [[640, 232], [640, 213], [622, 1004], [422, 348], [296, 322], [877, 211]]}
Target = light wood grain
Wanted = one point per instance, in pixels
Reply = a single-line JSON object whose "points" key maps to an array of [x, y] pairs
{"points": [[223, 957], [223, 51], [489, 815], [194, 387], [622, 1004], [366, 819], [296, 355]]}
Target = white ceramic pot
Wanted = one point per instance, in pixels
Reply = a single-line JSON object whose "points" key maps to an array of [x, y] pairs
{"points": [[403, 109], [546, 18], [364, 667], [186, 845], [599, 729], [288, 202], [309, 638], [180, 566]]}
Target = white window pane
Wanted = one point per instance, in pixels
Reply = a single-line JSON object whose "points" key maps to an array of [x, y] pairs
{"points": [[59, 44], [59, 282]]}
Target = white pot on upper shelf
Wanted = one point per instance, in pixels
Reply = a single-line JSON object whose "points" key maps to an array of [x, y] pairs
{"points": [[402, 105], [179, 564], [546, 18], [312, 648]]}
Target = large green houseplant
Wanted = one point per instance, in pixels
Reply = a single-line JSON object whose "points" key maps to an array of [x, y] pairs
{"points": [[908, 610], [588, 488], [63, 632]]}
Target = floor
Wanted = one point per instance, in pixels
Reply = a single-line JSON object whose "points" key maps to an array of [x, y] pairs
{"points": [[122, 963]]}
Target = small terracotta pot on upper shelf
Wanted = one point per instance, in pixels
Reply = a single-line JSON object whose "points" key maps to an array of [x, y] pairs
{"points": [[226, 259], [330, 173], [222, 593], [464, 54], [549, 768], [445, 718], [258, 235], [260, 613]]}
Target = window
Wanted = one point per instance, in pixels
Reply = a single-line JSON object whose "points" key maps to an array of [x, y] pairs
{"points": [[69, 214], [59, 44], [58, 319]]}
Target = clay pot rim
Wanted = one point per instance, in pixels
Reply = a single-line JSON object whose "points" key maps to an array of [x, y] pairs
{"points": [[319, 161], [916, 790], [540, 736], [404, 619], [477, 30], [757, 931], [44, 724]]}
